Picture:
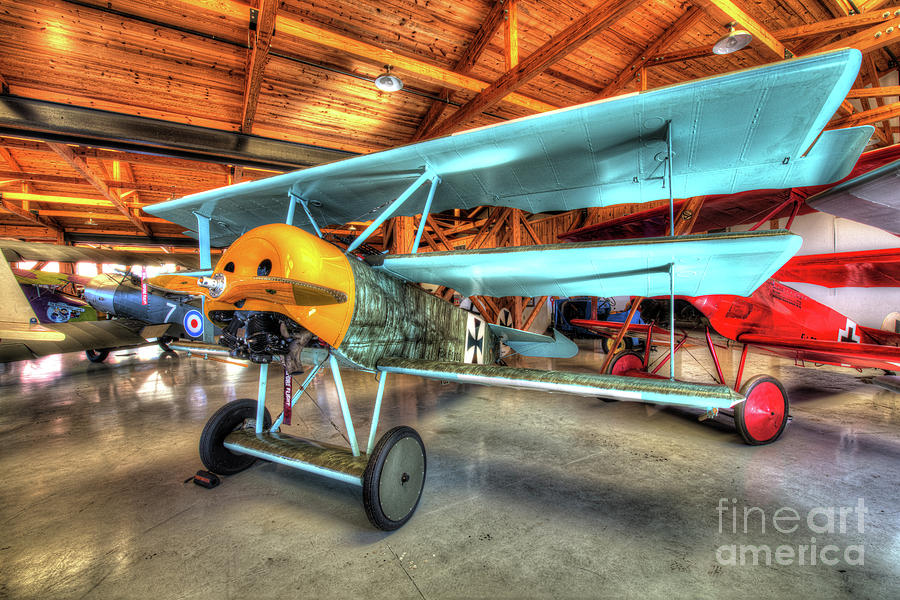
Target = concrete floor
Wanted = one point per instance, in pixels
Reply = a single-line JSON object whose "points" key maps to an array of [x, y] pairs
{"points": [[527, 494]]}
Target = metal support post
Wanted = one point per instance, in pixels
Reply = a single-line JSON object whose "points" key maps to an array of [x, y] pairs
{"points": [[277, 424], [376, 413], [205, 264], [261, 397], [672, 320], [345, 409]]}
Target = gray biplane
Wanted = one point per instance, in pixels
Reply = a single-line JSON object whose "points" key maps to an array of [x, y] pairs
{"points": [[143, 318]]}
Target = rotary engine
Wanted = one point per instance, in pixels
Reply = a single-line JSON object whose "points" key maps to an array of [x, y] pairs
{"points": [[261, 336]]}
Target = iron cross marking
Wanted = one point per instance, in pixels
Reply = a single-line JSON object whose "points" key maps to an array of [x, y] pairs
{"points": [[474, 341]]}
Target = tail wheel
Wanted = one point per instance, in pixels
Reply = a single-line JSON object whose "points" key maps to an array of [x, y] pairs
{"points": [[624, 344], [96, 356], [624, 362], [394, 478], [238, 414], [763, 415]]}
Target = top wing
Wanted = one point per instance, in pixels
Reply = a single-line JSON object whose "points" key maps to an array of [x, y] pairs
{"points": [[871, 199], [866, 268], [845, 354], [744, 130], [16, 251], [704, 264]]}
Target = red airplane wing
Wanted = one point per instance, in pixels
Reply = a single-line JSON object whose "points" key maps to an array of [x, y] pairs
{"points": [[868, 268], [834, 353], [611, 328], [723, 211]]}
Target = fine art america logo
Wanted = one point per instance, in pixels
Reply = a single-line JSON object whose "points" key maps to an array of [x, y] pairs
{"points": [[813, 535]]}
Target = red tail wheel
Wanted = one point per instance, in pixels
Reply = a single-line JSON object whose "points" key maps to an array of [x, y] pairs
{"points": [[762, 416], [624, 362]]}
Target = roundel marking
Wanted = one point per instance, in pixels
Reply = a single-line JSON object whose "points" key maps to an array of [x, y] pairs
{"points": [[193, 323]]}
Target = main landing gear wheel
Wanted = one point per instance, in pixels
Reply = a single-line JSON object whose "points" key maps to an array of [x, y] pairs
{"points": [[238, 414], [96, 356], [394, 478], [762, 416], [624, 362]]}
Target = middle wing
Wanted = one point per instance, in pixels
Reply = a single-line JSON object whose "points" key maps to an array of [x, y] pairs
{"points": [[704, 264]]}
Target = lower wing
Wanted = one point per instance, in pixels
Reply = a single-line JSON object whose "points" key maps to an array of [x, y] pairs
{"points": [[843, 354], [657, 391]]}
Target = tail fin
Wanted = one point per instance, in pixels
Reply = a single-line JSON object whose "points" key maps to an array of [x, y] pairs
{"points": [[17, 318]]}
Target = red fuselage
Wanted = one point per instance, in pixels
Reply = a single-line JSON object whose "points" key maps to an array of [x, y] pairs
{"points": [[776, 310]]}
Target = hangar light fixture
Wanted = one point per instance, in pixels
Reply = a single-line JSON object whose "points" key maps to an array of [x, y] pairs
{"points": [[387, 82], [733, 41]]}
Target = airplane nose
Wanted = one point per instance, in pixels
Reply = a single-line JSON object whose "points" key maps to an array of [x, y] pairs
{"points": [[100, 293]]}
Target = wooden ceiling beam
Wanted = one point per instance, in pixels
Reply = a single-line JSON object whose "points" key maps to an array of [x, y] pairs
{"points": [[29, 216], [82, 167], [511, 34], [867, 117], [838, 25], [27, 232], [83, 214], [870, 92], [873, 38], [581, 30], [869, 72], [831, 26], [417, 68], [261, 40], [684, 23], [731, 12], [473, 52], [54, 199]]}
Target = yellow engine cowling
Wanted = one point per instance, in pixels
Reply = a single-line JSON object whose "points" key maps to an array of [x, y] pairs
{"points": [[295, 255]]}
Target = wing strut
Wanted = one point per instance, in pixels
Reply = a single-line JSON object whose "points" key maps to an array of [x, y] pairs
{"points": [[293, 202], [669, 155], [392, 208]]}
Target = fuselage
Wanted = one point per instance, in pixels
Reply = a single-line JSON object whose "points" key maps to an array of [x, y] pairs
{"points": [[777, 310], [381, 316], [118, 296]]}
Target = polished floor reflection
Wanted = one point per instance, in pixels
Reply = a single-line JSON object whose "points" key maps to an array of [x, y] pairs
{"points": [[527, 494]]}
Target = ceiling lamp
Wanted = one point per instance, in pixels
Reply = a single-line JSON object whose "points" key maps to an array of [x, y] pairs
{"points": [[733, 41], [387, 82]]}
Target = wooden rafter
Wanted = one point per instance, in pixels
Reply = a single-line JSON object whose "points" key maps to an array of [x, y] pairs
{"points": [[471, 55], [870, 73], [820, 29], [725, 9], [581, 30], [88, 173], [870, 92], [511, 34], [683, 24], [867, 117], [414, 67], [11, 208], [869, 39], [257, 58]]}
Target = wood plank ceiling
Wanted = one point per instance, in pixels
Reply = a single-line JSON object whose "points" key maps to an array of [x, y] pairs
{"points": [[302, 71]]}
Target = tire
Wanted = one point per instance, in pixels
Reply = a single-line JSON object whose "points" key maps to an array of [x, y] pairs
{"points": [[394, 478], [625, 344], [624, 362], [238, 414], [96, 356], [762, 416]]}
